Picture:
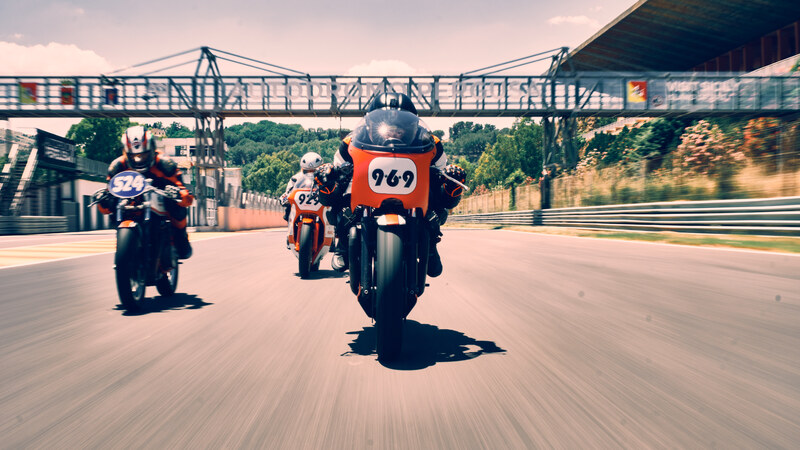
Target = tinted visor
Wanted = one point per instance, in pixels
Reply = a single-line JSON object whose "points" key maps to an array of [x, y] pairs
{"points": [[392, 130], [140, 160]]}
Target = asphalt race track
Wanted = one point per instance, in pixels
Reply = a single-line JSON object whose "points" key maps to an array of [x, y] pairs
{"points": [[525, 341]]}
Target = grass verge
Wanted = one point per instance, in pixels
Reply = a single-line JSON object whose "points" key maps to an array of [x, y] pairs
{"points": [[784, 244]]}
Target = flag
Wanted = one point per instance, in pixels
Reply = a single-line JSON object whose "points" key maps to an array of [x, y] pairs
{"points": [[27, 93], [111, 96], [67, 93]]}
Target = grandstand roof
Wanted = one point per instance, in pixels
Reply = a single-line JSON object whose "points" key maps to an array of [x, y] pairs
{"points": [[669, 35]]}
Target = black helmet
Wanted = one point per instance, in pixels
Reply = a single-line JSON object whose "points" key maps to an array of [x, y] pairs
{"points": [[392, 100]]}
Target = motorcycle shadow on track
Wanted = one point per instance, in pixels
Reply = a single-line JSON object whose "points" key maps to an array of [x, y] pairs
{"points": [[160, 304], [424, 346]]}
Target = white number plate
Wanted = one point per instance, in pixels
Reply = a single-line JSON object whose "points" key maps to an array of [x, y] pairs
{"points": [[392, 176], [306, 202]]}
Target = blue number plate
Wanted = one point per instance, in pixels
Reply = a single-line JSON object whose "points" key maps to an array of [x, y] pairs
{"points": [[127, 184]]}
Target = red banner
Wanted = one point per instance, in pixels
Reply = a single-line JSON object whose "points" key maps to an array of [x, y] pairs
{"points": [[67, 93]]}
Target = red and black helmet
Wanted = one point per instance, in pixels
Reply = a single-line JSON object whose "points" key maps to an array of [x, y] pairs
{"points": [[139, 148]]}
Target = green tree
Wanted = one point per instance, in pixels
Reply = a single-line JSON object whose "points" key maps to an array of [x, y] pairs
{"points": [[270, 173], [497, 162], [176, 130], [99, 138], [528, 139], [470, 139]]}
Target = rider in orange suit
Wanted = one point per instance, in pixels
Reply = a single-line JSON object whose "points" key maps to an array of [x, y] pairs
{"points": [[139, 154]]}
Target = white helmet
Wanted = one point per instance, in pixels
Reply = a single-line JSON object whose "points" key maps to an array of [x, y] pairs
{"points": [[310, 161]]}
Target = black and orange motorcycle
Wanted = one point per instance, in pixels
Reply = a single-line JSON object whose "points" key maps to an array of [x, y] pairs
{"points": [[145, 254], [392, 152]]}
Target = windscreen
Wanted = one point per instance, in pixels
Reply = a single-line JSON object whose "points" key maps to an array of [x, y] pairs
{"points": [[392, 130]]}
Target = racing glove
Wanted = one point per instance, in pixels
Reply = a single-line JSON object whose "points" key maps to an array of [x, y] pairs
{"points": [[450, 188], [182, 196], [173, 192], [105, 200], [326, 176]]}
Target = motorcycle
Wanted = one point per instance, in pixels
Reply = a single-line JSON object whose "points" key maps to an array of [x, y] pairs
{"points": [[145, 255], [390, 240], [309, 234]]}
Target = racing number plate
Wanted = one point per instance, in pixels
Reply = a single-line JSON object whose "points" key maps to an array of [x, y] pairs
{"points": [[127, 184], [396, 176], [305, 201]]}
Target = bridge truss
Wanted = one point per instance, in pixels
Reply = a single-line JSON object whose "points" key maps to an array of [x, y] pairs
{"points": [[558, 97]]}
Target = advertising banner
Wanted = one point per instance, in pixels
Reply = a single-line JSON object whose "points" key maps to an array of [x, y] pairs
{"points": [[67, 93], [27, 93], [55, 152], [637, 91]]}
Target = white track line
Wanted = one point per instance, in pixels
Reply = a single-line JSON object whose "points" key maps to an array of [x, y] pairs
{"points": [[101, 253]]}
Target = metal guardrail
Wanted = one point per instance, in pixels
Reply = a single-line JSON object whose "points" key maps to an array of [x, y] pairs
{"points": [[773, 216], [91, 167]]}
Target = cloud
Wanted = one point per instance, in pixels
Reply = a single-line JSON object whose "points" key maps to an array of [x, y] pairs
{"points": [[385, 67], [50, 59], [574, 20], [17, 36]]}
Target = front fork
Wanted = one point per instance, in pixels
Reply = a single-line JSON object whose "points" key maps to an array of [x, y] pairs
{"points": [[416, 241]]}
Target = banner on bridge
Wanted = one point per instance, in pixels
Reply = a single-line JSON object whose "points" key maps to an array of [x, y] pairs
{"points": [[588, 93]]}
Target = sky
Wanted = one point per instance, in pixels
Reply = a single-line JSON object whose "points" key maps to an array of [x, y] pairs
{"points": [[368, 37]]}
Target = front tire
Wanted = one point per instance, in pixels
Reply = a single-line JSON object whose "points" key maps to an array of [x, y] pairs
{"points": [[167, 283], [390, 293], [130, 273], [304, 256]]}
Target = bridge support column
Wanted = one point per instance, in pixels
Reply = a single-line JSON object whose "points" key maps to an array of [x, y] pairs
{"points": [[559, 141], [208, 168], [8, 137]]}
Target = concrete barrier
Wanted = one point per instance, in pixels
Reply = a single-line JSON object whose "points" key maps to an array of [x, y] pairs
{"points": [[235, 219], [33, 224]]}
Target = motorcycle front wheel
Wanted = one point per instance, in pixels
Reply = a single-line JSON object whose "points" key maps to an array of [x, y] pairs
{"points": [[130, 274], [304, 255], [167, 282], [354, 259], [390, 293]]}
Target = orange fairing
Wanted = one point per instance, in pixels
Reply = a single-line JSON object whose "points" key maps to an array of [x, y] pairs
{"points": [[127, 224], [378, 176]]}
